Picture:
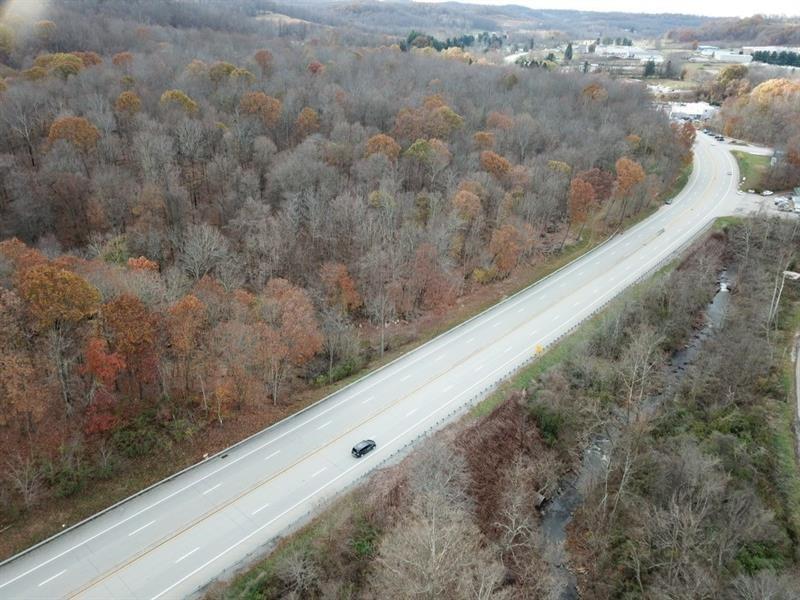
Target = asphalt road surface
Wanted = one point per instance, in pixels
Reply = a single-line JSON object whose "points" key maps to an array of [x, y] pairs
{"points": [[180, 535]]}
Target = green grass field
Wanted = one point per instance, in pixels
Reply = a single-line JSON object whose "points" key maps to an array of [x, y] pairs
{"points": [[753, 168]]}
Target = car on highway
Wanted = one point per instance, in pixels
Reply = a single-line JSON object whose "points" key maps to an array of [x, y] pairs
{"points": [[363, 447]]}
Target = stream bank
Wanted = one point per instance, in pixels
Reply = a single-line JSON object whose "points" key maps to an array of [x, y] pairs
{"points": [[559, 510]]}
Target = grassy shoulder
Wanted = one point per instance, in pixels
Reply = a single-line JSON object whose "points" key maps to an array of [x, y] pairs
{"points": [[753, 168]]}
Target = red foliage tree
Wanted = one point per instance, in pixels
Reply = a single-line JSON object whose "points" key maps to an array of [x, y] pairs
{"points": [[263, 59], [132, 330], [103, 365], [339, 286]]}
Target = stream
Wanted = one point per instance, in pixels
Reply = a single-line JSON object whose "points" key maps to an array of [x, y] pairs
{"points": [[559, 510]]}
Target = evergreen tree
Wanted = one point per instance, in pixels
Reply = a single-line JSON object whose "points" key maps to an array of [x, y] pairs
{"points": [[568, 52]]}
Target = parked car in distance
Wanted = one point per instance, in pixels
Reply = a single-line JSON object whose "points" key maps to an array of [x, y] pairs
{"points": [[767, 193], [363, 447]]}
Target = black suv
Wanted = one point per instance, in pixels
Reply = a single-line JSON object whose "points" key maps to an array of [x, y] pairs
{"points": [[363, 447]]}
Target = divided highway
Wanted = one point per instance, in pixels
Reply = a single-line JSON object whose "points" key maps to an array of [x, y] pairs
{"points": [[180, 535]]}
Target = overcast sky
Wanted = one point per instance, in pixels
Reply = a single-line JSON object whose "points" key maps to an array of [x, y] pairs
{"points": [[714, 8]]}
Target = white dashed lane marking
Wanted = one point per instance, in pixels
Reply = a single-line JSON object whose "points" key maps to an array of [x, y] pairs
{"points": [[187, 555], [49, 579]]}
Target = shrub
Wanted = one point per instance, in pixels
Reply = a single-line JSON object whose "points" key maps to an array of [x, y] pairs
{"points": [[550, 422]]}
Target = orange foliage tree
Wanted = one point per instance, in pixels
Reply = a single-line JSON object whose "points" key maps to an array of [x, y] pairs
{"points": [[265, 107], [263, 59], [629, 174], [128, 104], [467, 204], [495, 164], [434, 119], [506, 247], [186, 325], [307, 122], [484, 140], [339, 286], [289, 335], [123, 60], [581, 197], [21, 399], [383, 144], [55, 296], [89, 59], [498, 120], [132, 330], [142, 264], [78, 131]]}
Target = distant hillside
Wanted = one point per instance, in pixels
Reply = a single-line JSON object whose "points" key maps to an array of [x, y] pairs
{"points": [[454, 18], [759, 30]]}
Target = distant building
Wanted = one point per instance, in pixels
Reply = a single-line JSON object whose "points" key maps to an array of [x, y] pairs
{"points": [[733, 57], [646, 56], [708, 50], [630, 53], [699, 111]]}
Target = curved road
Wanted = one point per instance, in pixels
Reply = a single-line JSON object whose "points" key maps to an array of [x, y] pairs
{"points": [[180, 535]]}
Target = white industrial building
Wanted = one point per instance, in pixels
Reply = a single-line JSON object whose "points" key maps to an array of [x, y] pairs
{"points": [[630, 53], [697, 111], [733, 57]]}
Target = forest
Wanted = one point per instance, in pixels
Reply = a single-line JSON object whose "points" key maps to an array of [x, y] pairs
{"points": [[448, 18], [201, 218], [680, 465], [758, 30], [761, 110]]}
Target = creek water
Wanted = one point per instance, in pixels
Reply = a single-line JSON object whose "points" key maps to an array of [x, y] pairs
{"points": [[558, 512]]}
